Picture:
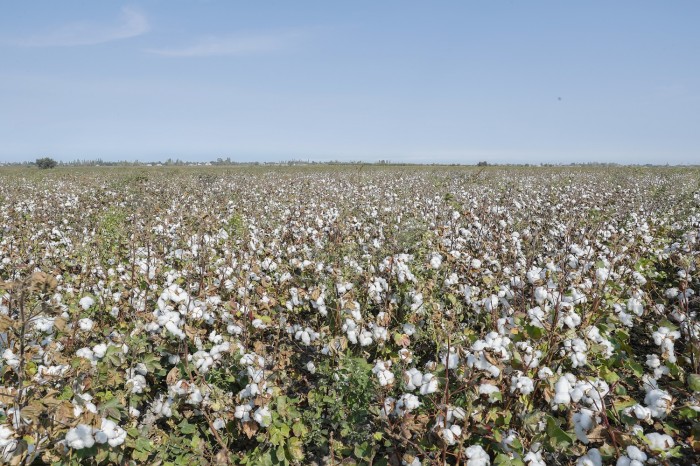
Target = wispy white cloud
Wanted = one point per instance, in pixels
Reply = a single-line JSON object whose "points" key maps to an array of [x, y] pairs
{"points": [[131, 23], [233, 45]]}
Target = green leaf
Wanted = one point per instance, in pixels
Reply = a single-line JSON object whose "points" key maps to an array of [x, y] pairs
{"points": [[299, 429], [534, 332], [187, 428], [295, 449], [362, 450], [609, 376], [556, 434], [694, 382]]}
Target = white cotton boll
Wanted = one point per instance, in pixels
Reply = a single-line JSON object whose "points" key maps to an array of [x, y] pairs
{"points": [[540, 295], [659, 403], [634, 457], [639, 278], [602, 274], [86, 302], [451, 360], [534, 458], [409, 329], [137, 384], [44, 324], [591, 458], [86, 324], [537, 317], [133, 412], [435, 261], [636, 306], [85, 353], [488, 389], [660, 442], [521, 383], [7, 442], [456, 413], [583, 421], [242, 412], [448, 436], [262, 416], [577, 350], [535, 274], [10, 358], [452, 279], [99, 350], [429, 384], [215, 337], [110, 433], [381, 370], [406, 355], [413, 378], [80, 437], [544, 373], [365, 338], [407, 403], [640, 412], [311, 367], [219, 423], [195, 397], [258, 323], [233, 329], [562, 391], [476, 264], [162, 407], [477, 456]]}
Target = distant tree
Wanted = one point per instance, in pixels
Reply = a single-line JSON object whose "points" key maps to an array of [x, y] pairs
{"points": [[482, 164], [46, 162]]}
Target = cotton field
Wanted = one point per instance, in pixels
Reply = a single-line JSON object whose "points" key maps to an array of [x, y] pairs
{"points": [[350, 315]]}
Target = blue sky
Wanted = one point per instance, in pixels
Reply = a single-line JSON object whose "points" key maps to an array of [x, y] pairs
{"points": [[444, 81]]}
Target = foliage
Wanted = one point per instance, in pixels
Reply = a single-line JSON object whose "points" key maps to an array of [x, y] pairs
{"points": [[46, 162]]}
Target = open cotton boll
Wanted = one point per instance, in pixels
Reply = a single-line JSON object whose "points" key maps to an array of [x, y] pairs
{"points": [[407, 403], [640, 412], [99, 350], [80, 437], [44, 324], [634, 457], [477, 456], [521, 383], [449, 434], [86, 324], [429, 384], [659, 403], [534, 458], [591, 458], [451, 359], [86, 302], [583, 421], [381, 370], [110, 433], [137, 383], [242, 412], [660, 442], [11, 359], [262, 416], [311, 367], [577, 349], [413, 378], [8, 443]]}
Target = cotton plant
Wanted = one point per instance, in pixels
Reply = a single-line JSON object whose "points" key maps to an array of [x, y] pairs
{"points": [[256, 289]]}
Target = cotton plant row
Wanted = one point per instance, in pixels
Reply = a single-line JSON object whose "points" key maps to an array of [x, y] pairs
{"points": [[392, 316]]}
